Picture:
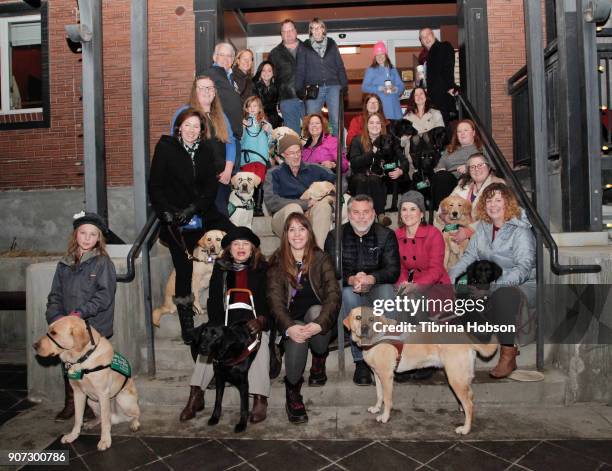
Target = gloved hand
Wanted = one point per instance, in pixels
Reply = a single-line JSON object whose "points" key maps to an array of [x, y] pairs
{"points": [[166, 217], [185, 215], [255, 326]]}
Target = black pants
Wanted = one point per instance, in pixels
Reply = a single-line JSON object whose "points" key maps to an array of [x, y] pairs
{"points": [[371, 185], [442, 184], [182, 265]]}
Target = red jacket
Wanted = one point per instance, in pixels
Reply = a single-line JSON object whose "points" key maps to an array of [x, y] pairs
{"points": [[424, 254]]}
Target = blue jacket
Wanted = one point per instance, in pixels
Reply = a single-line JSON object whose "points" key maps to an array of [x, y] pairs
{"points": [[282, 187], [314, 70], [254, 145], [374, 82]]}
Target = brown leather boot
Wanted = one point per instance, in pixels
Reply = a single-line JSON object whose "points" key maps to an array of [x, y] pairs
{"points": [[68, 411], [506, 363], [195, 403], [260, 408]]}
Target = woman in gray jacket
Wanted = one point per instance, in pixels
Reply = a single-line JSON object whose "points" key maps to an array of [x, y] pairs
{"points": [[504, 236]]}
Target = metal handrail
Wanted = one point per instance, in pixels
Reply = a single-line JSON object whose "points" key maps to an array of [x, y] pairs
{"points": [[143, 237], [502, 164], [338, 228]]}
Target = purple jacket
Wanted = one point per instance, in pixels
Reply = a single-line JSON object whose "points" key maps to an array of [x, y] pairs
{"points": [[327, 149]]}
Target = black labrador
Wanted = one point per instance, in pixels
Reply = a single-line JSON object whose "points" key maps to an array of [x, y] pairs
{"points": [[231, 349]]}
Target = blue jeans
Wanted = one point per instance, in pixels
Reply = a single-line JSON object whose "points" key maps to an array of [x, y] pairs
{"points": [[293, 112], [329, 95], [351, 300]]}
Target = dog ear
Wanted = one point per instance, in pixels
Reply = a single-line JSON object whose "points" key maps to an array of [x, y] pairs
{"points": [[256, 179], [347, 323], [79, 335], [234, 180], [471, 272]]}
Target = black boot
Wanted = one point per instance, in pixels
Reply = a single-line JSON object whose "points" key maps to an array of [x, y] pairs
{"points": [[317, 370], [296, 411], [258, 197], [68, 411], [184, 306], [362, 375]]}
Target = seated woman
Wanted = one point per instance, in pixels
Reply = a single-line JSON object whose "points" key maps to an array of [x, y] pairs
{"points": [[465, 142], [504, 236], [241, 265], [371, 104], [376, 158], [320, 147], [304, 298]]}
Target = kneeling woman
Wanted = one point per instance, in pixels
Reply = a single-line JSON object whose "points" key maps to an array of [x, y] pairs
{"points": [[241, 266], [503, 235], [304, 298]]}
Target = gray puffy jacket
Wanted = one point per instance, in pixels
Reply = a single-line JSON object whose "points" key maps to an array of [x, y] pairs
{"points": [[513, 249]]}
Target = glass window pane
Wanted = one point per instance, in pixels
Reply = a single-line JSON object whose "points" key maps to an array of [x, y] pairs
{"points": [[25, 65]]}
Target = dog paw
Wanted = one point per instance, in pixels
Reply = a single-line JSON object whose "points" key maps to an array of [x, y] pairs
{"points": [[462, 430], [213, 421], [374, 410], [135, 425], [104, 444], [382, 418], [239, 428], [69, 437]]}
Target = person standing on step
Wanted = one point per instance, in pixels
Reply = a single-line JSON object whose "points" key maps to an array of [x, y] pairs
{"points": [[266, 88], [242, 73], [242, 265], [183, 188], [84, 286], [304, 299]]}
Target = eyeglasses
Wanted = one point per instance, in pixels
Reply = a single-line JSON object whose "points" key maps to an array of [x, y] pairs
{"points": [[296, 153], [222, 54], [477, 166], [204, 88]]}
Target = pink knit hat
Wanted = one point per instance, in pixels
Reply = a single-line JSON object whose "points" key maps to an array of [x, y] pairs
{"points": [[379, 48]]}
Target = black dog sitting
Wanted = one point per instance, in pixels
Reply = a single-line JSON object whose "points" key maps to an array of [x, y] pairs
{"points": [[232, 351], [425, 150], [482, 273]]}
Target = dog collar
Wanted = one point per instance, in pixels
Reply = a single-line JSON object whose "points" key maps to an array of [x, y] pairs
{"points": [[451, 227]]}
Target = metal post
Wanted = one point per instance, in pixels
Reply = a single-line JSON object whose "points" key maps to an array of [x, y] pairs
{"points": [[93, 109], [537, 112], [338, 228], [140, 152]]}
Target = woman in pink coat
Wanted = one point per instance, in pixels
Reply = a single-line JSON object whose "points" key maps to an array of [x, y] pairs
{"points": [[320, 147]]}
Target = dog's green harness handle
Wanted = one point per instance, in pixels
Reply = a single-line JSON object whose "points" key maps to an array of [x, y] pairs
{"points": [[451, 227], [119, 363]]}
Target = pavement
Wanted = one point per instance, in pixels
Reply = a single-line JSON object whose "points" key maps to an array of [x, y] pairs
{"points": [[516, 437]]}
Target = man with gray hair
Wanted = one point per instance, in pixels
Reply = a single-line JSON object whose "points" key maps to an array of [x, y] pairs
{"points": [[370, 266]]}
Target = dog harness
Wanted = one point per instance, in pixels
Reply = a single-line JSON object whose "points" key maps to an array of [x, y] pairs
{"points": [[451, 227], [253, 346], [249, 205], [399, 346]]}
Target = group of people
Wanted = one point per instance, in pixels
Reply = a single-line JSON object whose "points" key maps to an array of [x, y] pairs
{"points": [[225, 127]]}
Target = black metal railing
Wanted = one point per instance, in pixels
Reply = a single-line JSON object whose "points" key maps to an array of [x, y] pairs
{"points": [[502, 165], [604, 59], [338, 228], [145, 235]]}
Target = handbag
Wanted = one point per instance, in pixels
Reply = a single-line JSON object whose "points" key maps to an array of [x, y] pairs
{"points": [[311, 92]]}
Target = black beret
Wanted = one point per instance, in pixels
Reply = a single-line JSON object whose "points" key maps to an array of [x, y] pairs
{"points": [[90, 218], [240, 233]]}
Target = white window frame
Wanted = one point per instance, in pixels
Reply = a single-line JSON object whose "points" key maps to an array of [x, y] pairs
{"points": [[5, 102]]}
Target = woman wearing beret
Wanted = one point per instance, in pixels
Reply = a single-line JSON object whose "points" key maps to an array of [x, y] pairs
{"points": [[242, 265]]}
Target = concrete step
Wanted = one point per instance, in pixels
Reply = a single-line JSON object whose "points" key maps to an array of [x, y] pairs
{"points": [[171, 388]]}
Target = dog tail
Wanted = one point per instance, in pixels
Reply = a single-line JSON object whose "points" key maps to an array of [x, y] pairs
{"points": [[485, 349]]}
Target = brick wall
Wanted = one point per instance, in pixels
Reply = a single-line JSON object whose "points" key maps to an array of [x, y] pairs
{"points": [[51, 157]]}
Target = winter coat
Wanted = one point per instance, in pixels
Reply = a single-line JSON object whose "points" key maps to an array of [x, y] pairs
{"points": [[269, 98], [374, 82], [175, 182], [430, 120], [325, 149], [389, 152], [441, 75], [230, 97], [354, 129], [284, 69], [424, 254], [513, 249], [254, 144], [312, 69], [88, 288], [244, 83], [376, 253], [222, 280], [282, 187], [322, 277]]}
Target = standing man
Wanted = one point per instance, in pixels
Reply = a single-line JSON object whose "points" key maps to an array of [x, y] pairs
{"points": [[227, 91], [440, 73], [284, 58], [370, 267]]}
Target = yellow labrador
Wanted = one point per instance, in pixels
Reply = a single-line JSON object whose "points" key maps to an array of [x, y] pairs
{"points": [[320, 191], [204, 255], [241, 204], [417, 350], [111, 395]]}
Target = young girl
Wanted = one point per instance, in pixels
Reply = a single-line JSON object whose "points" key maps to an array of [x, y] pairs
{"points": [[84, 286], [255, 143]]}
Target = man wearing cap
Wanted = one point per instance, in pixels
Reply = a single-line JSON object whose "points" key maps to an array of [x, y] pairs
{"points": [[285, 185], [384, 80], [370, 267]]}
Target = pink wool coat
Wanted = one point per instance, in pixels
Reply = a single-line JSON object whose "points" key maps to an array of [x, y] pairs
{"points": [[424, 254], [327, 150]]}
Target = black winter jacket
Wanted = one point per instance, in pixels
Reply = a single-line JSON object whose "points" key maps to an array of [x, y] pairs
{"points": [[313, 69], [284, 70], [375, 253], [230, 97], [87, 287], [389, 155], [221, 280], [269, 98], [244, 83], [441, 75]]}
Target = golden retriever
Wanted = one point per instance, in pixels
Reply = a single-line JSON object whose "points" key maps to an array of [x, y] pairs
{"points": [[112, 398], [454, 211], [418, 350], [204, 255]]}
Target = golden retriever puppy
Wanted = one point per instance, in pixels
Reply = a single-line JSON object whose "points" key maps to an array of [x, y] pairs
{"points": [[241, 204], [454, 212], [111, 395], [204, 255]]}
